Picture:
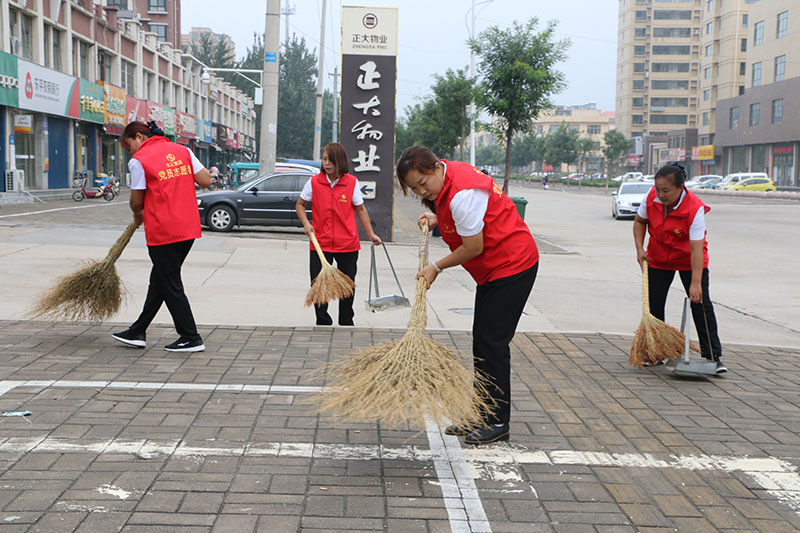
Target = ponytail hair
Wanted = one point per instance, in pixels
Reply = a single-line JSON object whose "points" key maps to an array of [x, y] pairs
{"points": [[148, 130]]}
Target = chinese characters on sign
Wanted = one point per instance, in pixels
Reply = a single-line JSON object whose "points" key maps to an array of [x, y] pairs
{"points": [[369, 73]]}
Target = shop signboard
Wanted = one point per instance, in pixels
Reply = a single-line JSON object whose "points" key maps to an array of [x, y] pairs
{"points": [[207, 130], [93, 102], [786, 149], [230, 136], [369, 88], [135, 110], [634, 160], [221, 136], [186, 126], [169, 121], [703, 153], [9, 81], [23, 123], [155, 112], [48, 91], [115, 105]]}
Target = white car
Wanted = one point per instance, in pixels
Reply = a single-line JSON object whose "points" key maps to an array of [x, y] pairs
{"points": [[626, 199], [732, 179], [705, 181]]}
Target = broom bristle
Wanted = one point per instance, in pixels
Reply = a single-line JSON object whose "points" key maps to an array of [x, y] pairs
{"points": [[330, 284], [656, 341], [93, 292]]}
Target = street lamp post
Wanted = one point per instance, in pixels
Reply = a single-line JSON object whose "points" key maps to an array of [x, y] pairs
{"points": [[269, 110], [472, 75]]}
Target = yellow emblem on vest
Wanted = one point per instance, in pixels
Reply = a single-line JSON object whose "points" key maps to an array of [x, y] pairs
{"points": [[170, 158], [677, 232], [343, 198]]}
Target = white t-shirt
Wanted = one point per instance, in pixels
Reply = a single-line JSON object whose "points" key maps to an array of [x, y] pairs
{"points": [[697, 231], [138, 179], [306, 193], [468, 207]]}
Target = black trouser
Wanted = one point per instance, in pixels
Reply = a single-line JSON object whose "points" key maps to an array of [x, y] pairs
{"points": [[166, 286], [705, 322], [347, 262], [498, 308]]}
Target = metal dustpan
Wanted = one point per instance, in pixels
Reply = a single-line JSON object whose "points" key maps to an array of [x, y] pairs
{"points": [[383, 303], [687, 365]]}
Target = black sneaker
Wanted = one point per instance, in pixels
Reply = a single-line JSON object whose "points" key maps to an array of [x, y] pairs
{"points": [[488, 434], [721, 368], [130, 339], [186, 345]]}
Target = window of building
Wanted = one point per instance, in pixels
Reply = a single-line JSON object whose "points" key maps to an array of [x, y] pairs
{"points": [[706, 95], [638, 85], [639, 50], [669, 102], [710, 5], [48, 48], [743, 47], [670, 67], [744, 20], [664, 50], [594, 129], [641, 14], [128, 76], [777, 110], [80, 59], [707, 73], [664, 85], [705, 118], [640, 32], [27, 37], [742, 68], [758, 33], [734, 118], [157, 6], [160, 30], [638, 67], [756, 74], [553, 128], [672, 14], [780, 68], [709, 47], [755, 114], [122, 4], [148, 86], [741, 90], [638, 102], [783, 24], [709, 28], [668, 119], [103, 67], [637, 119], [672, 32], [164, 90]]}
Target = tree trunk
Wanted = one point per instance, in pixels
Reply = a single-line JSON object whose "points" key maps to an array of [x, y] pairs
{"points": [[509, 134], [463, 132]]}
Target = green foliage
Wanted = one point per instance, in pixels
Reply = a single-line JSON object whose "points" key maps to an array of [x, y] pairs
{"points": [[583, 149], [491, 155], [561, 147], [296, 97], [215, 54], [519, 76], [615, 150], [526, 149], [453, 92]]}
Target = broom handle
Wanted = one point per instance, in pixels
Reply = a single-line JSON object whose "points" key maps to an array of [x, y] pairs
{"points": [[645, 288], [319, 250], [419, 311], [423, 246], [120, 245]]}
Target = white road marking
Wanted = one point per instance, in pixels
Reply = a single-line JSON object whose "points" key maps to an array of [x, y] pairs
{"points": [[6, 386], [106, 204]]}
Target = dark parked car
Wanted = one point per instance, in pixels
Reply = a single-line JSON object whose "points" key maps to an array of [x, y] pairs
{"points": [[263, 201]]}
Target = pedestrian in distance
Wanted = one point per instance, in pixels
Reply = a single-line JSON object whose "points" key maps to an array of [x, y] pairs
{"points": [[486, 235], [163, 175], [336, 199], [674, 217]]}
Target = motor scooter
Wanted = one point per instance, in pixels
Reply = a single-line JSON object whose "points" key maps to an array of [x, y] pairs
{"points": [[106, 192]]}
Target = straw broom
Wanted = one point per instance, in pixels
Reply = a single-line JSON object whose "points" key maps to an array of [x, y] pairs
{"points": [[330, 284], [655, 340], [93, 292], [408, 381]]}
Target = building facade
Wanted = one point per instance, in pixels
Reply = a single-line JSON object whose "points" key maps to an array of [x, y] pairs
{"points": [[161, 17], [71, 78], [196, 34], [759, 129]]}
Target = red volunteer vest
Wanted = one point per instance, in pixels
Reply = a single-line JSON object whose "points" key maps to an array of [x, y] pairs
{"points": [[508, 246], [332, 213], [668, 247], [170, 203]]}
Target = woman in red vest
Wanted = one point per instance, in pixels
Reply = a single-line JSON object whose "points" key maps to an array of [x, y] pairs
{"points": [[336, 199], [163, 175], [490, 240], [675, 219]]}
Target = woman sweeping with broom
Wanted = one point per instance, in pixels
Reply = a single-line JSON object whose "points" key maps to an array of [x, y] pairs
{"points": [[489, 239], [675, 219], [163, 175], [335, 200]]}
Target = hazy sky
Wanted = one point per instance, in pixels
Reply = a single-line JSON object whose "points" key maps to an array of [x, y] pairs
{"points": [[433, 34]]}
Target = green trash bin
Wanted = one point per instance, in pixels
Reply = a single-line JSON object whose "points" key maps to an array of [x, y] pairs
{"points": [[520, 202]]}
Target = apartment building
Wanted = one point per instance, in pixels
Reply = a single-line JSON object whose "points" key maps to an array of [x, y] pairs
{"points": [[161, 17], [588, 121], [196, 34], [72, 77], [759, 128]]}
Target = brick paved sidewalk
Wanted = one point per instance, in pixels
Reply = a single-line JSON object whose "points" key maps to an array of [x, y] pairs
{"points": [[145, 440]]}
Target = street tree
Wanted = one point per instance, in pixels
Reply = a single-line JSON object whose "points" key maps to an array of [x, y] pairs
{"points": [[424, 126], [215, 54], [453, 92], [297, 89], [489, 156], [561, 147], [519, 77], [615, 150], [583, 148]]}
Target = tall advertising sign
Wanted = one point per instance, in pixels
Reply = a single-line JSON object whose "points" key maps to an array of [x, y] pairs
{"points": [[48, 91], [369, 88]]}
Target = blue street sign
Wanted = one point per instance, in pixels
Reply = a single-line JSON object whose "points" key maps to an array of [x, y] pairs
{"points": [[271, 57]]}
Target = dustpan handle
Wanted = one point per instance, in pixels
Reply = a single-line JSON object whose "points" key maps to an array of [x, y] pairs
{"points": [[373, 273], [394, 273]]}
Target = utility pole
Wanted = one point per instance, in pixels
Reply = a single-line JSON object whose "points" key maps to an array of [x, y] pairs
{"points": [[286, 11], [269, 109], [335, 132], [320, 79], [472, 104]]}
